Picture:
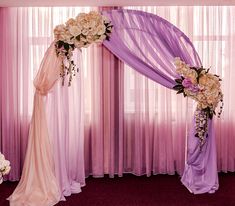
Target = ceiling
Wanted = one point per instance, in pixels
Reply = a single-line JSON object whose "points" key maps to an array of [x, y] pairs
{"points": [[19, 3]]}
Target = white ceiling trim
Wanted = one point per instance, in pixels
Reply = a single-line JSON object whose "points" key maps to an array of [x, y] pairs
{"points": [[29, 3]]}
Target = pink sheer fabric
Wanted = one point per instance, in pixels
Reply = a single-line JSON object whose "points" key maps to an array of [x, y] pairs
{"points": [[212, 31], [38, 185]]}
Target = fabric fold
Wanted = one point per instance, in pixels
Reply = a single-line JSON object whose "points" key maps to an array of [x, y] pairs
{"points": [[38, 185], [200, 173]]}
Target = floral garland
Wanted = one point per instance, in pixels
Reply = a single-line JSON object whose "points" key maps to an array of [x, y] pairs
{"points": [[79, 33], [205, 89], [4, 167]]}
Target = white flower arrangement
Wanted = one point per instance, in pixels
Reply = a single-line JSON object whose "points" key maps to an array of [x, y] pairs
{"points": [[4, 167], [205, 89], [80, 32]]}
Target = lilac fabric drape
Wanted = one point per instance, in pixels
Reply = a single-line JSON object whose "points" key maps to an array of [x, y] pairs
{"points": [[162, 43], [16, 90], [200, 173], [135, 36]]}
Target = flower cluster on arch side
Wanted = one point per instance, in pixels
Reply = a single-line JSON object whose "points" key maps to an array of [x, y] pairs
{"points": [[4, 167], [79, 32], [203, 87]]}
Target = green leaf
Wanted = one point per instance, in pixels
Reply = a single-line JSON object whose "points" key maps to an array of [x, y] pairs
{"points": [[180, 91], [179, 81], [178, 87], [66, 46]]}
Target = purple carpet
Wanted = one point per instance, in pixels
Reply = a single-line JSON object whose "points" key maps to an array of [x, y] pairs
{"points": [[130, 190]]}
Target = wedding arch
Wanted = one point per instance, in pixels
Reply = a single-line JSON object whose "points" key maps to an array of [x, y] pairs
{"points": [[121, 31]]}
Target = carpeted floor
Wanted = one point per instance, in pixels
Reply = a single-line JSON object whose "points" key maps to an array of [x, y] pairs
{"points": [[130, 190]]}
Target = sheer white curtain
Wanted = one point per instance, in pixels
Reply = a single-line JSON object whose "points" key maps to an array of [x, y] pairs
{"points": [[212, 31], [130, 123]]}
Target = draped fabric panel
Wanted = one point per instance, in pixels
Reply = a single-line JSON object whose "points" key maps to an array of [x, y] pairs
{"points": [[38, 184], [137, 34], [65, 117], [149, 44]]}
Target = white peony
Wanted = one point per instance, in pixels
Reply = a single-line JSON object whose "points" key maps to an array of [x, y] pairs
{"points": [[71, 22], [6, 170], [80, 17], [85, 31], [105, 19], [101, 29], [1, 178], [4, 167], [2, 158], [93, 31], [75, 30]]}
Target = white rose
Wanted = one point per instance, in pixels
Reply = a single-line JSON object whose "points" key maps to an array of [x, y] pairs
{"points": [[105, 19], [93, 31], [89, 25], [71, 22], [80, 17], [178, 62], [182, 70], [90, 39], [98, 41], [79, 44], [6, 163], [192, 74], [75, 30], [59, 28], [94, 13], [6, 170], [85, 31], [101, 30], [2, 158]]}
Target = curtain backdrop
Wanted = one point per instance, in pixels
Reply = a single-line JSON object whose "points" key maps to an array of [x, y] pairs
{"points": [[124, 112]]}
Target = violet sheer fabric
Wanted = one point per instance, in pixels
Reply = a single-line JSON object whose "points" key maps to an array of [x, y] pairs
{"points": [[200, 172], [162, 43]]}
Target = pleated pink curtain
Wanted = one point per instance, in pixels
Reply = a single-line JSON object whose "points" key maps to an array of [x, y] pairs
{"points": [[16, 89], [104, 112], [130, 124]]}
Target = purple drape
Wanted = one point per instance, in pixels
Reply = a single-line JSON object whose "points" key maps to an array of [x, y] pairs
{"points": [[149, 45]]}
